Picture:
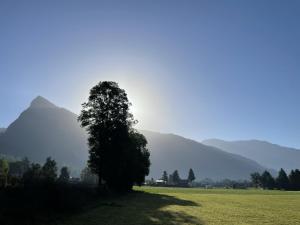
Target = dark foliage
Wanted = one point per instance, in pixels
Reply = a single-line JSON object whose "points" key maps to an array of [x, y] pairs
{"points": [[4, 169], [256, 179], [191, 176], [282, 181], [18, 168], [176, 177], [267, 181], [64, 174], [118, 154], [37, 175], [43, 204], [33, 176], [49, 170], [165, 176], [294, 179], [88, 177]]}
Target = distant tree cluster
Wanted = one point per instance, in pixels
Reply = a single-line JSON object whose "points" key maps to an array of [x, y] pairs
{"points": [[25, 173], [281, 182], [32, 192], [174, 179], [47, 173], [225, 183]]}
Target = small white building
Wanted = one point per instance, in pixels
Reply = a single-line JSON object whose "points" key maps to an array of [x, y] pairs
{"points": [[160, 181]]}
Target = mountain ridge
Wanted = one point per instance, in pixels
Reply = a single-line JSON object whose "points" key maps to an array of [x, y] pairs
{"points": [[268, 154], [44, 129]]}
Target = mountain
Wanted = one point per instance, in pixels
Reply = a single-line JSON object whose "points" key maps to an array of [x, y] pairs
{"points": [[45, 130], [170, 152], [265, 153], [2, 130]]}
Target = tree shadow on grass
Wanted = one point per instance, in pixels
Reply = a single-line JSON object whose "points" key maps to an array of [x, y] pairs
{"points": [[82, 206], [139, 208], [154, 209]]}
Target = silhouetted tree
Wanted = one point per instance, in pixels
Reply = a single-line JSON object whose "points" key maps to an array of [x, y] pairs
{"points": [[176, 177], [165, 176], [256, 179], [171, 180], [33, 175], [138, 159], [294, 179], [118, 154], [191, 176], [267, 180], [64, 174], [49, 170], [282, 181]]}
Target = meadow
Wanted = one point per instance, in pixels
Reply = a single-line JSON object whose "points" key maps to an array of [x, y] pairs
{"points": [[182, 206]]}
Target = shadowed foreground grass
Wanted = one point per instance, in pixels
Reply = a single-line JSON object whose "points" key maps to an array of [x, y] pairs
{"points": [[178, 206], [138, 208]]}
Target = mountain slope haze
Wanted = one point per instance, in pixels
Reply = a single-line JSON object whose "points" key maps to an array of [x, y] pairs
{"points": [[265, 153], [45, 130]]}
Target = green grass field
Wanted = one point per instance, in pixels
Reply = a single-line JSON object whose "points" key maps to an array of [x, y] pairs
{"points": [[176, 206]]}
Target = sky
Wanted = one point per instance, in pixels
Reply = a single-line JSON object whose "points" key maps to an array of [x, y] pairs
{"points": [[200, 69]]}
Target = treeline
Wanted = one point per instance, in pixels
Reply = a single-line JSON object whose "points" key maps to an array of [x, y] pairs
{"points": [[173, 179], [225, 183], [20, 173], [281, 182], [33, 192], [24, 173]]}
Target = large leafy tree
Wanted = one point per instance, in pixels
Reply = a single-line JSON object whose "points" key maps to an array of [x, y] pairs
{"points": [[118, 154]]}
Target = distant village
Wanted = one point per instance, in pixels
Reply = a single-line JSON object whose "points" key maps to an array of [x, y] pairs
{"points": [[173, 180]]}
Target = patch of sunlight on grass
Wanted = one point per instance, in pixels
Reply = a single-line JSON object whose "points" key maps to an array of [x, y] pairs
{"points": [[187, 206]]}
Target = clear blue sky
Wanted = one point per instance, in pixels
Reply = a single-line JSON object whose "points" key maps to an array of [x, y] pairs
{"points": [[201, 69]]}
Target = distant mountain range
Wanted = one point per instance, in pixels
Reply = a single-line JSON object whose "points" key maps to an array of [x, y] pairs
{"points": [[265, 153], [170, 152], [45, 130]]}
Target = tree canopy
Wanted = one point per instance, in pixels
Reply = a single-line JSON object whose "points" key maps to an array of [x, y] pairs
{"points": [[267, 180], [176, 177], [117, 153], [282, 180], [191, 176], [49, 170], [64, 174], [256, 179], [165, 176]]}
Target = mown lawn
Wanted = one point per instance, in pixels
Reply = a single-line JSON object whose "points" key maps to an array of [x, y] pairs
{"points": [[176, 206]]}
